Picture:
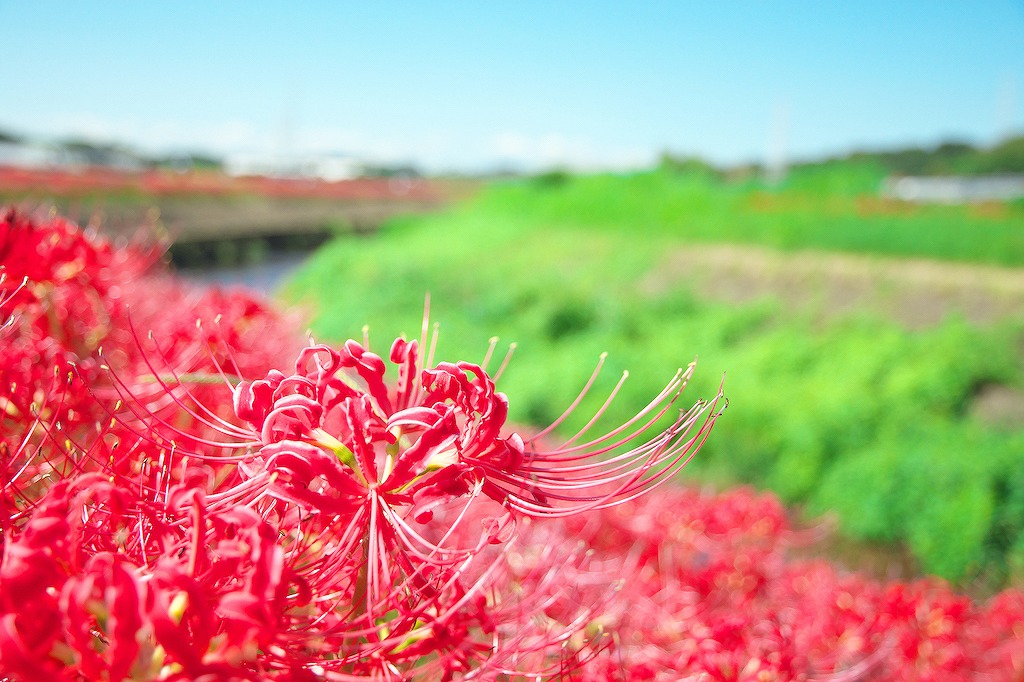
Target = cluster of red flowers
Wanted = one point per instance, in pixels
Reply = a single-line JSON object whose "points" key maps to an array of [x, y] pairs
{"points": [[71, 182], [177, 505], [713, 591]]}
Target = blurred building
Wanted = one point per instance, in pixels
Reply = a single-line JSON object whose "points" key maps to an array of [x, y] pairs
{"points": [[331, 168], [26, 155], [954, 189], [68, 155]]}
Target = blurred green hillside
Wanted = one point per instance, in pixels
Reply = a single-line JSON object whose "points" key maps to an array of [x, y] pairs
{"points": [[863, 338]]}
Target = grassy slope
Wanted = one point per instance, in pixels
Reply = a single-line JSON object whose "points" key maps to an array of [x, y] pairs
{"points": [[818, 208], [858, 416]]}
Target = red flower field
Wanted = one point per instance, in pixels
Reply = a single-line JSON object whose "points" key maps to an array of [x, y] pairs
{"points": [[97, 179], [192, 491]]}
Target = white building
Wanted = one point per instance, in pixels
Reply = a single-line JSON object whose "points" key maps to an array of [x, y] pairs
{"points": [[955, 189], [321, 167], [22, 155]]}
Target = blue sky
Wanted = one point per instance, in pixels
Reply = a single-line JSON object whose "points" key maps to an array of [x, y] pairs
{"points": [[529, 84]]}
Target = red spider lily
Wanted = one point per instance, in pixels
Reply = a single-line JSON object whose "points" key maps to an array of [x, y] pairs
{"points": [[437, 436], [118, 589], [73, 279], [6, 297], [996, 637], [227, 521], [77, 292], [390, 505], [353, 471]]}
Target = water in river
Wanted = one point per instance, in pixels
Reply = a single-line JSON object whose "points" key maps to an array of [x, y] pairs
{"points": [[265, 277]]}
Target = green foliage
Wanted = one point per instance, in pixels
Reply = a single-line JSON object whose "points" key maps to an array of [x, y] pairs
{"points": [[857, 416], [941, 485], [820, 184], [687, 165], [947, 158], [832, 206], [1006, 157]]}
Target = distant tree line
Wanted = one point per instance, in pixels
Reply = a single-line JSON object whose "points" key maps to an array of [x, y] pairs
{"points": [[951, 158], [946, 158]]}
